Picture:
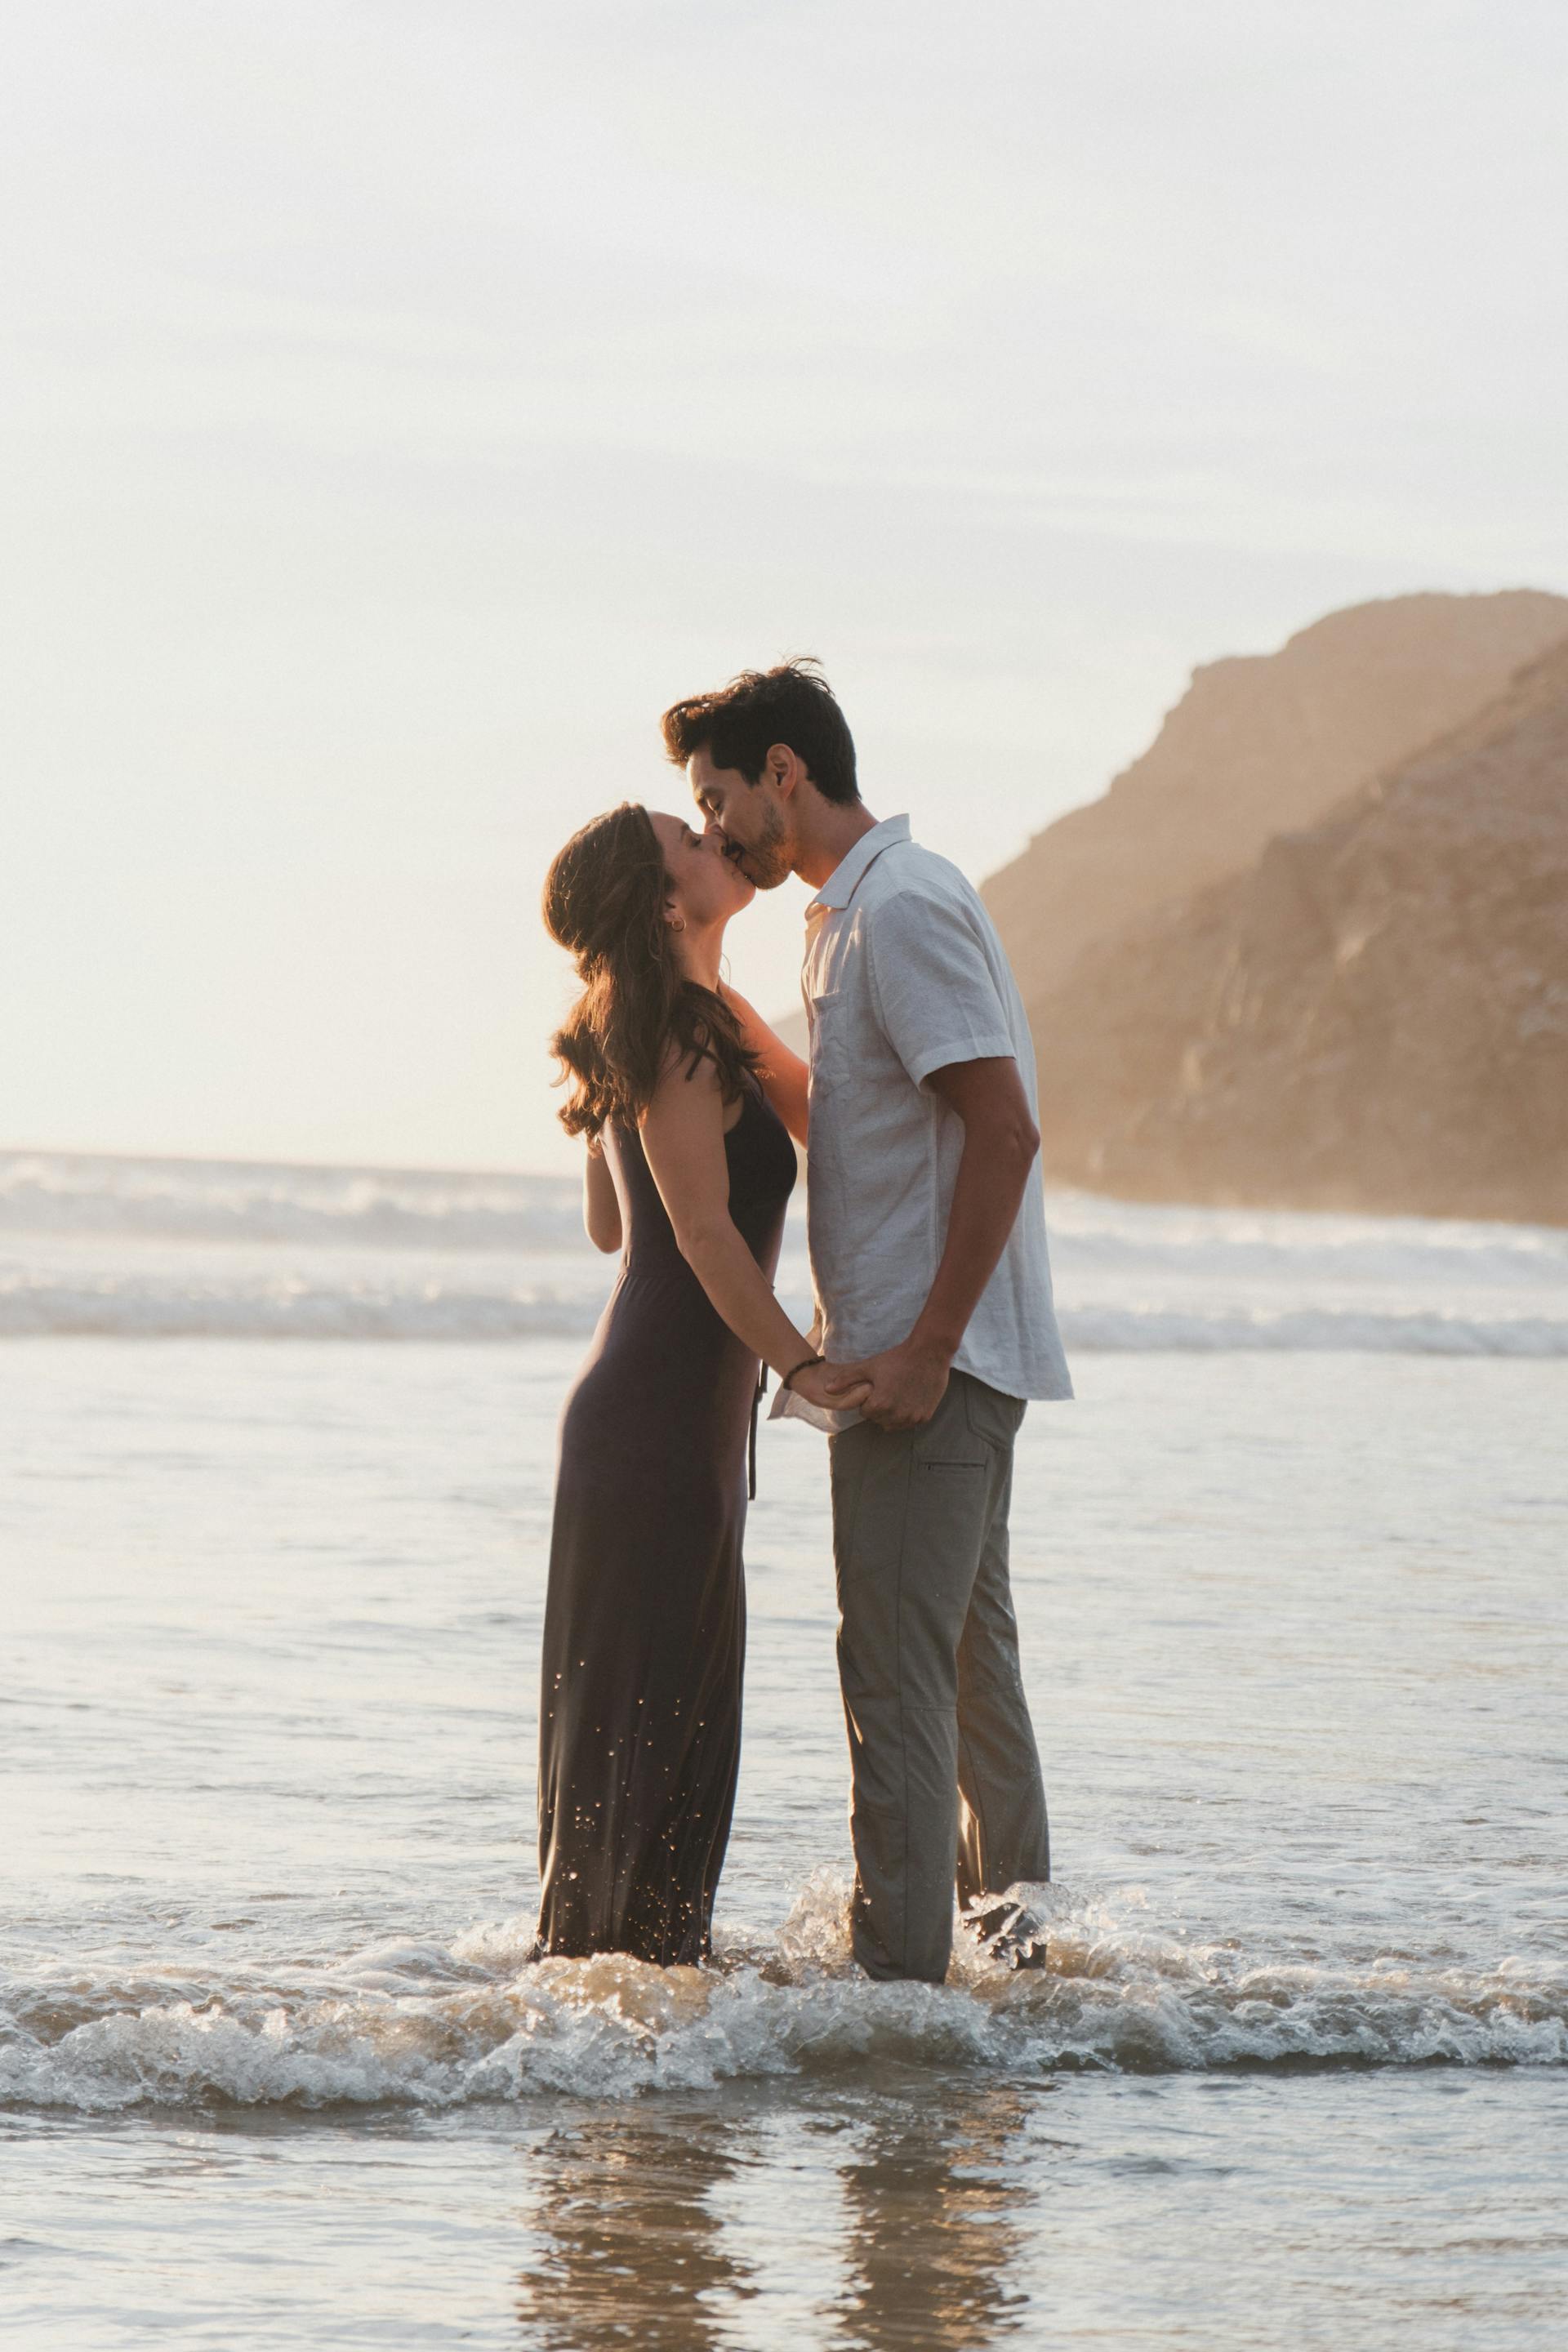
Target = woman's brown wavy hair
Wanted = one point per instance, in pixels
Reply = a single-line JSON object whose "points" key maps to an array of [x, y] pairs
{"points": [[605, 903]]}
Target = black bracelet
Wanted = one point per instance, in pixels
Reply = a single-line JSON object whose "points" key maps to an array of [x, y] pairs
{"points": [[803, 1365]]}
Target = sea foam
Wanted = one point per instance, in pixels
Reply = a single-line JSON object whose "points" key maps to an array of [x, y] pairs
{"points": [[475, 2021], [77, 1195], [351, 1302]]}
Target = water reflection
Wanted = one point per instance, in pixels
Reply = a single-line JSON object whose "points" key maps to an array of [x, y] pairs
{"points": [[633, 2249], [932, 2199], [882, 2222]]}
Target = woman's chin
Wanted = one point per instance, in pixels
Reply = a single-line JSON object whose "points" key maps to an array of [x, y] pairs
{"points": [[745, 891]]}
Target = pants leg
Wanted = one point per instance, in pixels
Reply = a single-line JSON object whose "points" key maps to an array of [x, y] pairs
{"points": [[1004, 1832], [919, 1522]]}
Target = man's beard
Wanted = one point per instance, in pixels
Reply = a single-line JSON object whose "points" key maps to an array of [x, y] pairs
{"points": [[765, 861]]}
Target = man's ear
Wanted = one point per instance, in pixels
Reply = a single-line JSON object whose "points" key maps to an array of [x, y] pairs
{"points": [[782, 770]]}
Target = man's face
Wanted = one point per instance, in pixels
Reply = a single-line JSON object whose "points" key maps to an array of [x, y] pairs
{"points": [[751, 819]]}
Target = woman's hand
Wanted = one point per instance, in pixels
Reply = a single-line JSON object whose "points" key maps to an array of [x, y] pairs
{"points": [[601, 1206], [811, 1384]]}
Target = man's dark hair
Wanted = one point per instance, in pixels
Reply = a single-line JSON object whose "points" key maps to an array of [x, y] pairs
{"points": [[738, 723]]}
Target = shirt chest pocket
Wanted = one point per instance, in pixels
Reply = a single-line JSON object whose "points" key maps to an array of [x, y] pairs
{"points": [[832, 1029]]}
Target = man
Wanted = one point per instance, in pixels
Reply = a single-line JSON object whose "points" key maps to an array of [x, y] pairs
{"points": [[928, 1254]]}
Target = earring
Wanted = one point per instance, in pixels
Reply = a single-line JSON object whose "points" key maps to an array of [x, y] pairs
{"points": [[677, 923]]}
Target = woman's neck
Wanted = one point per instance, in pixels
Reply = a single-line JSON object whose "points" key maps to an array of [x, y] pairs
{"points": [[700, 954]]}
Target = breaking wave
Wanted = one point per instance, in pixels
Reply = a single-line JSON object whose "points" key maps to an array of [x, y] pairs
{"points": [[73, 1194], [1398, 1331], [197, 1302], [446, 2026], [187, 1249], [471, 1302]]}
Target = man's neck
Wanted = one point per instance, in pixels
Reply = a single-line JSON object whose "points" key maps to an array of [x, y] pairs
{"points": [[826, 834]]}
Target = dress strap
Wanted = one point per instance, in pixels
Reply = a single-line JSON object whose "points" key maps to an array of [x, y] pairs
{"points": [[762, 1391]]}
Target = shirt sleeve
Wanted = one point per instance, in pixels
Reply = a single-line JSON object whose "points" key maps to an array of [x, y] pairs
{"points": [[935, 997]]}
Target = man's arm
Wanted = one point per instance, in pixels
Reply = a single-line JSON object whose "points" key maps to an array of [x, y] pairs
{"points": [[1001, 1143], [785, 1077]]}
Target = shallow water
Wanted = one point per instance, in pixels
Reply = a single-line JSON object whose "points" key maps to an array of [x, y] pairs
{"points": [[273, 2070]]}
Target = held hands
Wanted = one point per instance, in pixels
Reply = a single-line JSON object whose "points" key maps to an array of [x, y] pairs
{"points": [[812, 1383], [899, 1388]]}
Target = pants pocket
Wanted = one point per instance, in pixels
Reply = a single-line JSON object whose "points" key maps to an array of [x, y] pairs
{"points": [[991, 1417]]}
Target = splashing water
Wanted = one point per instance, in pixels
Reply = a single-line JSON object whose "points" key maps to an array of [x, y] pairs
{"points": [[474, 2021]]}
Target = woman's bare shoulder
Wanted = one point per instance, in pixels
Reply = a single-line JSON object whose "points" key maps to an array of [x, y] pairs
{"points": [[686, 1078]]}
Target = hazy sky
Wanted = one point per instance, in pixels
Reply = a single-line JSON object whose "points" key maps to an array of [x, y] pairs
{"points": [[404, 402]]}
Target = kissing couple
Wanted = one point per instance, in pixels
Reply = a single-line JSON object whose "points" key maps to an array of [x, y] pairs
{"points": [[933, 1326]]}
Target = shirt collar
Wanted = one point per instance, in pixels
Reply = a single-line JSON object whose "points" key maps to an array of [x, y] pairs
{"points": [[850, 872]]}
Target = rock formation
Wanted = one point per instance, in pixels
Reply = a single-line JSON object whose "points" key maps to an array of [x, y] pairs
{"points": [[1372, 1015], [1257, 746]]}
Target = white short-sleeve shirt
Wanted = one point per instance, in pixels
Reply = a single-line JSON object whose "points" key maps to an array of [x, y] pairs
{"points": [[904, 974]]}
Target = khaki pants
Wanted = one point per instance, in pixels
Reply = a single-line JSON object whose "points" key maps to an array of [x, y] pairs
{"points": [[945, 1778]]}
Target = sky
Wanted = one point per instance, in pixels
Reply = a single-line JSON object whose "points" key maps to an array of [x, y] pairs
{"points": [[405, 404]]}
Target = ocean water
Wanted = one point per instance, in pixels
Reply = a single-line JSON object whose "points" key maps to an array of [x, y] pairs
{"points": [[275, 1459]]}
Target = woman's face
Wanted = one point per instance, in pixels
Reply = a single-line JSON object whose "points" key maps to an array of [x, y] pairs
{"points": [[704, 886]]}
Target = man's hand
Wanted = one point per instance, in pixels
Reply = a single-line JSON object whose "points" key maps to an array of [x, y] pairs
{"points": [[906, 1384], [812, 1384]]}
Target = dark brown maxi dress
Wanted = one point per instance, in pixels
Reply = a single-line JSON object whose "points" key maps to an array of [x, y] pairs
{"points": [[645, 1621]]}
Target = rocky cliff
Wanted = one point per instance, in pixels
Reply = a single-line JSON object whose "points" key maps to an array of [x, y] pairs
{"points": [[1373, 1014], [1258, 746]]}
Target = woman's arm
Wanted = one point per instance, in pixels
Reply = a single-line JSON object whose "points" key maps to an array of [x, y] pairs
{"points": [[601, 1209], [683, 1140], [784, 1075]]}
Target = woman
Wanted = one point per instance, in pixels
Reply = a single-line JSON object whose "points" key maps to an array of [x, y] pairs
{"points": [[689, 1171]]}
